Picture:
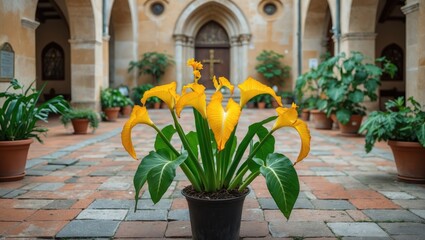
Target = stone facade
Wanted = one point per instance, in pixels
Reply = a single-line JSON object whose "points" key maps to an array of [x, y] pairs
{"points": [[100, 38]]}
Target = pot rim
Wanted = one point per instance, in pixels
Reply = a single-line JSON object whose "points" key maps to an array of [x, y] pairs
{"points": [[403, 143], [215, 200], [17, 142]]}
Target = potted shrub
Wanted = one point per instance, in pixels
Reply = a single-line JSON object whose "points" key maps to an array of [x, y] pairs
{"points": [[270, 66], [80, 119], [152, 63], [348, 82], [127, 107], [403, 127], [212, 158], [111, 100], [19, 120]]}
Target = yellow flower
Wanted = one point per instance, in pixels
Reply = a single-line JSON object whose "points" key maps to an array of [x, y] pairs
{"points": [[222, 82], [288, 117], [197, 75], [222, 121], [167, 93], [139, 115], [194, 64], [251, 88], [196, 98]]}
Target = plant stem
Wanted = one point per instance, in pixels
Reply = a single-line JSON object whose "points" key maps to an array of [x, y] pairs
{"points": [[248, 180]]}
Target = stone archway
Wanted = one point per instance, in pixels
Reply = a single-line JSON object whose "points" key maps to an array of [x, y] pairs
{"points": [[196, 15]]}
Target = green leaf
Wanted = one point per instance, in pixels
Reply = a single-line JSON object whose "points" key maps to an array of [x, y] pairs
{"points": [[168, 132], [192, 138], [336, 93], [268, 145], [348, 65], [421, 134], [162, 174], [282, 182], [343, 116], [357, 96]]}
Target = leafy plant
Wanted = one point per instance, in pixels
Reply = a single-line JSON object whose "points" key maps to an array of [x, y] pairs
{"points": [[20, 113], [270, 66], [347, 81], [110, 98], [211, 157], [89, 114], [399, 122], [152, 63]]}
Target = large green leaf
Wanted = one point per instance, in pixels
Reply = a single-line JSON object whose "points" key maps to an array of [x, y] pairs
{"points": [[421, 134], [268, 145], [356, 96], [161, 176], [192, 138], [337, 93], [282, 182], [343, 116], [168, 132]]}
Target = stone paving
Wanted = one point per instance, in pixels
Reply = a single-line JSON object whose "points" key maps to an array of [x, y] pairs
{"points": [[81, 187]]}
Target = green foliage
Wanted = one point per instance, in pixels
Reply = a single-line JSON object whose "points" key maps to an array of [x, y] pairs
{"points": [[308, 89], [347, 82], [140, 90], [271, 67], [152, 63], [399, 122], [89, 114], [21, 112], [110, 97]]}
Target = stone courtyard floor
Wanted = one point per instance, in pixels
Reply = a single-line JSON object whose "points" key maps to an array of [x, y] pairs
{"points": [[80, 186]]}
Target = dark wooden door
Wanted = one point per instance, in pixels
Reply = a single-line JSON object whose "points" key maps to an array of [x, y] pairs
{"points": [[216, 62]]}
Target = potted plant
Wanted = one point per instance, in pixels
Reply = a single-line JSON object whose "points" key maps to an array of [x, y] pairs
{"points": [[111, 100], [348, 82], [127, 106], [139, 91], [80, 119], [19, 123], [403, 127], [270, 66], [213, 160], [153, 64]]}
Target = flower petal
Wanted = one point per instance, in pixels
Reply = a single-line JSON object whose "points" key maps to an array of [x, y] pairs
{"points": [[222, 121], [166, 93], [288, 117], [197, 100], [139, 115], [251, 88], [222, 82]]}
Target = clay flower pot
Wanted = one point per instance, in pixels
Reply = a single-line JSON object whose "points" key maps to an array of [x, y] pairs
{"points": [[352, 127], [80, 125], [13, 158], [410, 160], [111, 113], [320, 120]]}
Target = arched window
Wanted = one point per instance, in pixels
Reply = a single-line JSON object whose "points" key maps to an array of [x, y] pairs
{"points": [[394, 53], [53, 62]]}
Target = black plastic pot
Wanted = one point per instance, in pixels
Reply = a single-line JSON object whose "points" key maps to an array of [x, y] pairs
{"points": [[213, 219]]}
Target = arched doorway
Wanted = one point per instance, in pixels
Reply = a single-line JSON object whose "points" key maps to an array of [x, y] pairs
{"points": [[212, 48]]}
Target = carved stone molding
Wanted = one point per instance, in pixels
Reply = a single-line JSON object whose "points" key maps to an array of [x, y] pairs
{"points": [[28, 23], [84, 42], [358, 36], [244, 38], [409, 8]]}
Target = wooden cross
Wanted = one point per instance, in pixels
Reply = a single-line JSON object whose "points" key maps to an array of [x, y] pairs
{"points": [[211, 61]]}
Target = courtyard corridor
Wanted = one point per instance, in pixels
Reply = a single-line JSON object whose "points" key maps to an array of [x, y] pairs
{"points": [[80, 186]]}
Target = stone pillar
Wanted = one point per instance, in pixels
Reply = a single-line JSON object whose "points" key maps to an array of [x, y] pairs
{"points": [[105, 46], [179, 39], [244, 39], [190, 53], [234, 72], [86, 73], [414, 82]]}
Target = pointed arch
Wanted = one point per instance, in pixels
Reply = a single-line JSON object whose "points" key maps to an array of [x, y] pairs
{"points": [[196, 15]]}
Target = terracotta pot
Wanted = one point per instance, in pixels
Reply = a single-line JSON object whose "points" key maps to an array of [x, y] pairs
{"points": [[126, 111], [274, 103], [261, 105], [212, 219], [111, 113], [80, 125], [352, 127], [250, 105], [410, 160], [305, 115], [320, 120], [157, 105], [13, 158]]}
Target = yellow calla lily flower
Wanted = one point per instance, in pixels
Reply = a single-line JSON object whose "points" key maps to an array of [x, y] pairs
{"points": [[194, 64], [195, 99], [251, 88], [166, 93], [139, 115], [222, 121], [222, 82], [288, 117]]}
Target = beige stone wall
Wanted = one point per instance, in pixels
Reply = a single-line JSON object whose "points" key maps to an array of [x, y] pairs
{"points": [[420, 87], [18, 28]]}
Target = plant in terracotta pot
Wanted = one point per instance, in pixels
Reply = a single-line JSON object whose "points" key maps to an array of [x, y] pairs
{"points": [[111, 100], [212, 159], [127, 107], [139, 91], [152, 63], [20, 116], [349, 81], [270, 66], [403, 127], [80, 119]]}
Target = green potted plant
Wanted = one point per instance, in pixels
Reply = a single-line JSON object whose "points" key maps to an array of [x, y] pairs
{"points": [[20, 116], [152, 63], [126, 107], [139, 91], [111, 100], [349, 80], [218, 166], [270, 66], [80, 119], [403, 127]]}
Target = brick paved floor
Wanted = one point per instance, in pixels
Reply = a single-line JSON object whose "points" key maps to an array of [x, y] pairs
{"points": [[81, 187]]}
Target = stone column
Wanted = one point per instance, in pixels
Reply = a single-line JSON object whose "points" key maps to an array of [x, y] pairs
{"points": [[244, 39], [414, 83], [190, 53], [86, 73], [179, 42], [105, 46], [234, 72]]}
